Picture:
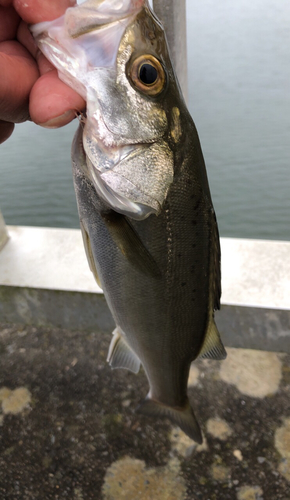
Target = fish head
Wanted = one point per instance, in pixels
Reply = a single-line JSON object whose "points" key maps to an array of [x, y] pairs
{"points": [[114, 53]]}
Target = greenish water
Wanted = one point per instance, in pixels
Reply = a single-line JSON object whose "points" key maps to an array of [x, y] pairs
{"points": [[239, 74]]}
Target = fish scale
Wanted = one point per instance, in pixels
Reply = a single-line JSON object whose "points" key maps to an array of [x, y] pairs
{"points": [[144, 203]]}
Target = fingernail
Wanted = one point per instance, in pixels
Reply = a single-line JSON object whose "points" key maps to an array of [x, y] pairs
{"points": [[60, 121]]}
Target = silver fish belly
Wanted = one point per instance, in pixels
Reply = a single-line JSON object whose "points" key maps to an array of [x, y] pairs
{"points": [[146, 214]]}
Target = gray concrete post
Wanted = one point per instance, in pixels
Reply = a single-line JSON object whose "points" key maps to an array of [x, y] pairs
{"points": [[3, 232], [172, 14]]}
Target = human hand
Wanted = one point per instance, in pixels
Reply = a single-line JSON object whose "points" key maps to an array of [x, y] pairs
{"points": [[29, 85]]}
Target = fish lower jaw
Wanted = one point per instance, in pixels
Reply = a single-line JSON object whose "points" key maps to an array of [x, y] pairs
{"points": [[117, 201]]}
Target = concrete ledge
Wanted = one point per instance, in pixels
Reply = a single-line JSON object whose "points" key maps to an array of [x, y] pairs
{"points": [[45, 280], [255, 328], [256, 273], [46, 258], [55, 308], [3, 232]]}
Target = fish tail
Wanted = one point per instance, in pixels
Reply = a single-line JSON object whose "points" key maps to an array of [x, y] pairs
{"points": [[181, 416]]}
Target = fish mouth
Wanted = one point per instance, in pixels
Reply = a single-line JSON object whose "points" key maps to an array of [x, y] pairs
{"points": [[92, 31], [92, 15]]}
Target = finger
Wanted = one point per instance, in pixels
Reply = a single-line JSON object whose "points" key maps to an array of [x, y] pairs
{"points": [[36, 11], [19, 72], [52, 103], [6, 130], [9, 21], [6, 3], [26, 39]]}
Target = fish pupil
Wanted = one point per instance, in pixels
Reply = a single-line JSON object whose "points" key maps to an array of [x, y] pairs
{"points": [[148, 74]]}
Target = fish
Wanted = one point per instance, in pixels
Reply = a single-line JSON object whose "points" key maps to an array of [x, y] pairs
{"points": [[146, 214]]}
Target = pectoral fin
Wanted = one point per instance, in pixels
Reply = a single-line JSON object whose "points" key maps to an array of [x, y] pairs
{"points": [[89, 254], [212, 347], [121, 355], [130, 244]]}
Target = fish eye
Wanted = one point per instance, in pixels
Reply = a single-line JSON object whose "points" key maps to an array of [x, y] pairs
{"points": [[147, 75]]}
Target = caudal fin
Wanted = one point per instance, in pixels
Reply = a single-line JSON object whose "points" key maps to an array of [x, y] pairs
{"points": [[183, 417]]}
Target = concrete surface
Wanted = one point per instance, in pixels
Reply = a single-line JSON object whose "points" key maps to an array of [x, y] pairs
{"points": [[45, 258], [45, 280], [255, 273], [68, 427]]}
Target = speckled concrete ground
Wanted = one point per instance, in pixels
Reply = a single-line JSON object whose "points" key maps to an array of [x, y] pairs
{"points": [[68, 428]]}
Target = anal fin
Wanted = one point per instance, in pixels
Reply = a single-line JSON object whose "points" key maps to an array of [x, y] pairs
{"points": [[212, 347], [121, 355], [183, 417]]}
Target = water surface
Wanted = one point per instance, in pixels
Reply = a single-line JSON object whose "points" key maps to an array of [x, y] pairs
{"points": [[239, 74]]}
